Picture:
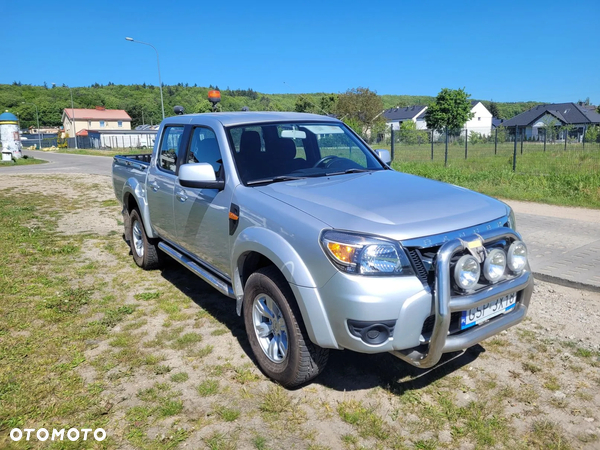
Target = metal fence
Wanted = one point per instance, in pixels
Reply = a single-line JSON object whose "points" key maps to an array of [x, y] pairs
{"points": [[134, 141], [499, 149]]}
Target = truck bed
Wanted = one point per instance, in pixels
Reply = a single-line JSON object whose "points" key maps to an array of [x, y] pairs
{"points": [[129, 166]]}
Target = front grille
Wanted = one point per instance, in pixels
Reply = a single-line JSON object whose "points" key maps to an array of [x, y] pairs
{"points": [[417, 262], [430, 322]]}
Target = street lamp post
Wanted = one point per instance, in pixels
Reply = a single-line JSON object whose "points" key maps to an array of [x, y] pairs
{"points": [[162, 104], [37, 118]]}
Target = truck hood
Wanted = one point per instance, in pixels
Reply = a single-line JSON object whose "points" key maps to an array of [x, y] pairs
{"points": [[387, 203]]}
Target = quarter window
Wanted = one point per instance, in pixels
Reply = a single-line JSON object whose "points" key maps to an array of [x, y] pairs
{"points": [[169, 148]]}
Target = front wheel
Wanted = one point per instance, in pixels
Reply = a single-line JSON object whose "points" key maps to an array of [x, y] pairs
{"points": [[144, 250], [276, 332]]}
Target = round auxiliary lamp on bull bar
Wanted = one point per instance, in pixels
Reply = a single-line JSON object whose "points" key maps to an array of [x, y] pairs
{"points": [[214, 97]]}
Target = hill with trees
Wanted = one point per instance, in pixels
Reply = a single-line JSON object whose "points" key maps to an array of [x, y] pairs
{"points": [[142, 102]]}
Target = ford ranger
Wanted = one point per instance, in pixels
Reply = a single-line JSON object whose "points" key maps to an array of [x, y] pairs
{"points": [[321, 244]]}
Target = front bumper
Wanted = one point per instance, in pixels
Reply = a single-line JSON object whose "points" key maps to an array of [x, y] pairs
{"points": [[350, 298], [445, 304]]}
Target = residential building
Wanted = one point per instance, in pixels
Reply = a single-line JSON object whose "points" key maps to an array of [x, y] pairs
{"points": [[482, 119], [99, 118], [395, 116], [480, 123], [558, 116]]}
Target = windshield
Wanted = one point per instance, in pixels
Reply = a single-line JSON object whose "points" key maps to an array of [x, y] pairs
{"points": [[287, 151]]}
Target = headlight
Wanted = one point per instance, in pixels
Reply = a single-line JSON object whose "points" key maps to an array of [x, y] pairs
{"points": [[494, 265], [467, 272], [365, 255], [517, 256]]}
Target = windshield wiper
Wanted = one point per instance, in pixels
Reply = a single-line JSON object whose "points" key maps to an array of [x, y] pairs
{"points": [[274, 179], [353, 170]]}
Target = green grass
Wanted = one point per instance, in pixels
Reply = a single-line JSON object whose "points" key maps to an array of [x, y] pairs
{"points": [[24, 161], [556, 176], [208, 388]]}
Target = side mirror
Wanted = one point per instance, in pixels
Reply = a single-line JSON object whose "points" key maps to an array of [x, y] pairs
{"points": [[199, 175], [384, 155]]}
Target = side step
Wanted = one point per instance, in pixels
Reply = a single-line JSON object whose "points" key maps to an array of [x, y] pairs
{"points": [[216, 282]]}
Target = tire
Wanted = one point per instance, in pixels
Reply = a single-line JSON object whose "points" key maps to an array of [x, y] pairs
{"points": [[144, 250], [276, 331]]}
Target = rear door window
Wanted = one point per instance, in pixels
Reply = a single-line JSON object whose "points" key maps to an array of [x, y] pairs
{"points": [[169, 148]]}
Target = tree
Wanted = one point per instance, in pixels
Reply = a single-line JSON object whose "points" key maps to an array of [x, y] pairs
{"points": [[592, 133], [450, 111], [203, 106], [361, 106], [410, 135], [328, 103], [494, 110], [303, 104]]}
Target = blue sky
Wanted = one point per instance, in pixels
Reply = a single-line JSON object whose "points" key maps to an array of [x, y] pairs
{"points": [[505, 51]]}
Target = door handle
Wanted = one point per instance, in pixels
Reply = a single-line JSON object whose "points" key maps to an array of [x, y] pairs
{"points": [[181, 196], [154, 186]]}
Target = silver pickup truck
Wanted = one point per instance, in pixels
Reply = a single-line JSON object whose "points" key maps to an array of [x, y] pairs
{"points": [[322, 245]]}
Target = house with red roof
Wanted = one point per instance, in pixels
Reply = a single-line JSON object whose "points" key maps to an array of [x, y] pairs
{"points": [[78, 121]]}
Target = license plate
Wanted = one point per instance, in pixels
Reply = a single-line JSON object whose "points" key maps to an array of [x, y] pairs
{"points": [[485, 312]]}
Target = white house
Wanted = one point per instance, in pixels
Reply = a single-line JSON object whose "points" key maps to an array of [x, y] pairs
{"points": [[481, 121]]}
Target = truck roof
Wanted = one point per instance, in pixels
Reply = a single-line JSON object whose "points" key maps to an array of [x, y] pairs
{"points": [[248, 117]]}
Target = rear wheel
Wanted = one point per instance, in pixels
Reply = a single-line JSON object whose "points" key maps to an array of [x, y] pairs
{"points": [[276, 332], [144, 250]]}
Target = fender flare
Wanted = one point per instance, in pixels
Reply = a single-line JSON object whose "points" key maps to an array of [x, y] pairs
{"points": [[286, 259], [137, 190]]}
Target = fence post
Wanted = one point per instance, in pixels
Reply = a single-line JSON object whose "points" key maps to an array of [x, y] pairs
{"points": [[515, 151], [432, 145], [466, 142], [393, 138], [522, 135], [496, 142], [583, 138], [566, 136], [545, 137], [446, 153]]}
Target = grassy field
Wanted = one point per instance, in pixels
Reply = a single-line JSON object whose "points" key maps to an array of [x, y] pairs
{"points": [[160, 360], [24, 161], [556, 176]]}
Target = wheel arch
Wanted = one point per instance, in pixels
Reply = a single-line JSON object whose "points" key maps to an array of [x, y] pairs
{"points": [[257, 247], [134, 196]]}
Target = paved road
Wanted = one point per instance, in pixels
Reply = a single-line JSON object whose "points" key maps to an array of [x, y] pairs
{"points": [[63, 163], [563, 243]]}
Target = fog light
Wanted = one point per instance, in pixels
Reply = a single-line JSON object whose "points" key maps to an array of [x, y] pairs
{"points": [[517, 256], [466, 272], [494, 265]]}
